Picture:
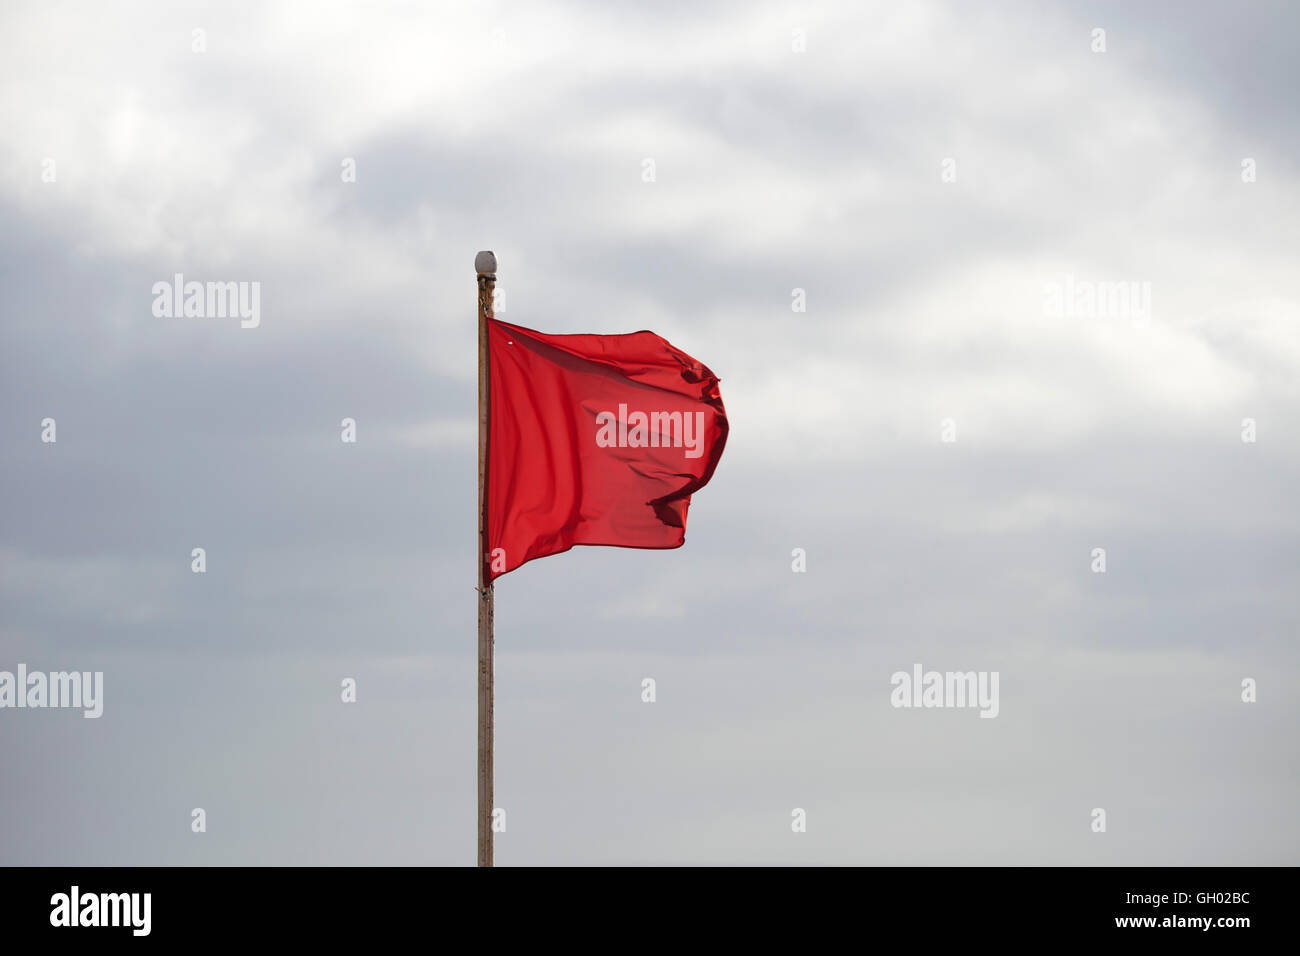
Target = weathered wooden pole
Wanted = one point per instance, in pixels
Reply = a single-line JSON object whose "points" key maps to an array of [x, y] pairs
{"points": [[485, 264]]}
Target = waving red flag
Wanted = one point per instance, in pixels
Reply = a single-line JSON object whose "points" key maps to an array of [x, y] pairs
{"points": [[595, 439]]}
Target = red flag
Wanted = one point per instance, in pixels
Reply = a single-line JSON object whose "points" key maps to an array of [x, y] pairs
{"points": [[595, 439]]}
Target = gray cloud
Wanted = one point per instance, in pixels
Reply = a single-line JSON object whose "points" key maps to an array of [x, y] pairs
{"points": [[524, 129]]}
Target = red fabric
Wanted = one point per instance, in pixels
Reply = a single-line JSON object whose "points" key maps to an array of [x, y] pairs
{"points": [[568, 462]]}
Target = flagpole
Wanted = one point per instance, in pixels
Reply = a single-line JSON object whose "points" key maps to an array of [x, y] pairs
{"points": [[485, 264]]}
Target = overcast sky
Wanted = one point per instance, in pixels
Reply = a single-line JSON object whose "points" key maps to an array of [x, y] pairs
{"points": [[927, 173]]}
